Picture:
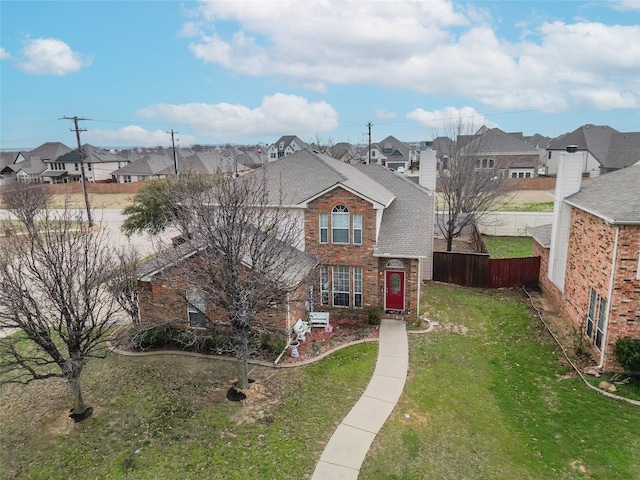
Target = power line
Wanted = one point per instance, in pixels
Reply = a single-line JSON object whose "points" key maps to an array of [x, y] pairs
{"points": [[80, 154]]}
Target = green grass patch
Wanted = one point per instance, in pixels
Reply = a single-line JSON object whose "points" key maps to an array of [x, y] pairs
{"points": [[168, 417], [508, 247], [487, 398], [525, 207]]}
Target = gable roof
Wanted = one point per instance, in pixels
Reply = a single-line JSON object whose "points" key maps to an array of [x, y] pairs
{"points": [[614, 197], [391, 146], [593, 138], [496, 141], [48, 151], [91, 155], [148, 165], [406, 224], [305, 175]]}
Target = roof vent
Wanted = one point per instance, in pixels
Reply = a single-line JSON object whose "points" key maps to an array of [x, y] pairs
{"points": [[572, 148]]}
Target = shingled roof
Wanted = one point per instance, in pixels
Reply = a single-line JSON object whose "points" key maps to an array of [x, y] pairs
{"points": [[304, 175], [614, 197]]}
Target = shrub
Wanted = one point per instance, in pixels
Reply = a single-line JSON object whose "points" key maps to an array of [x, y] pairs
{"points": [[627, 353], [375, 316]]}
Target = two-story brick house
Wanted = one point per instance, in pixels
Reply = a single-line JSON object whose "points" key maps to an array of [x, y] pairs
{"points": [[369, 231], [590, 256]]}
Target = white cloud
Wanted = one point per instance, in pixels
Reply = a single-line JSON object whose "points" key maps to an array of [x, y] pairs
{"points": [[223, 121], [133, 135], [4, 55], [384, 114], [436, 48], [624, 5], [50, 56], [445, 118]]}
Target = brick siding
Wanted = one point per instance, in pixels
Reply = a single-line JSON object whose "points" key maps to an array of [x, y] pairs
{"points": [[589, 266]]}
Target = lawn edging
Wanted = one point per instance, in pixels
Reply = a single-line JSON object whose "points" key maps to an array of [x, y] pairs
{"points": [[262, 363]]}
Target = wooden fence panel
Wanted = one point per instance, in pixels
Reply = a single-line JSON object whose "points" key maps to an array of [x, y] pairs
{"points": [[478, 270], [466, 269], [513, 272]]}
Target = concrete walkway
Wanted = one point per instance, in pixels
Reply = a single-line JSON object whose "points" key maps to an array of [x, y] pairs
{"points": [[345, 452]]}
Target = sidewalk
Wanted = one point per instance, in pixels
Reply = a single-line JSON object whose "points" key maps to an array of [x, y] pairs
{"points": [[349, 444]]}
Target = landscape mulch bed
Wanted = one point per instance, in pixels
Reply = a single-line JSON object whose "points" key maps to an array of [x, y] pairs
{"points": [[342, 332], [320, 340]]}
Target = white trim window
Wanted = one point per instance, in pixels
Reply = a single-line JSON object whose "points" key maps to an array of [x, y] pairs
{"points": [[324, 285], [340, 224], [357, 229], [357, 287], [602, 315], [196, 309], [341, 292], [324, 227]]}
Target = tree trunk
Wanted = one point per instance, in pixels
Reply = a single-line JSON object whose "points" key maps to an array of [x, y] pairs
{"points": [[73, 375], [243, 363]]}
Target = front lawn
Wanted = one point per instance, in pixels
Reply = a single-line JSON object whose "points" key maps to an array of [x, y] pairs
{"points": [[168, 417], [488, 397]]}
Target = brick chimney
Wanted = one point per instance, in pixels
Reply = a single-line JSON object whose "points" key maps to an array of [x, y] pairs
{"points": [[567, 183]]}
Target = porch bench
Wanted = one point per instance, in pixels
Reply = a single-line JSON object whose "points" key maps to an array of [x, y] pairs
{"points": [[300, 330], [319, 319]]}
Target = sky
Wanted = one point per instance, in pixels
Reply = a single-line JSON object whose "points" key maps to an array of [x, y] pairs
{"points": [[250, 72]]}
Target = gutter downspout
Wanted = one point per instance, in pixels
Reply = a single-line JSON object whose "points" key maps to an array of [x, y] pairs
{"points": [[609, 294]]}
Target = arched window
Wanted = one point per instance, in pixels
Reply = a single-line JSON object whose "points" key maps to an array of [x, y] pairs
{"points": [[340, 224], [395, 265]]}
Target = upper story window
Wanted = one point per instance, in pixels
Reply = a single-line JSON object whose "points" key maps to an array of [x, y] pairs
{"points": [[340, 224], [357, 229], [485, 163], [324, 227]]}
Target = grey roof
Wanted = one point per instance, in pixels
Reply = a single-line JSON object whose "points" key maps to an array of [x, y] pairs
{"points": [[593, 138], [7, 158], [406, 225], [304, 175], [614, 197], [496, 141], [541, 234], [391, 146], [287, 139], [624, 150], [48, 151], [299, 264], [91, 155], [147, 165]]}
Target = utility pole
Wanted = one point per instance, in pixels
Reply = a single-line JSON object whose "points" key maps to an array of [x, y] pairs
{"points": [[173, 144], [369, 125], [82, 175]]}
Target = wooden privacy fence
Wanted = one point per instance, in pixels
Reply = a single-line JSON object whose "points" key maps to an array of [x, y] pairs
{"points": [[478, 270]]}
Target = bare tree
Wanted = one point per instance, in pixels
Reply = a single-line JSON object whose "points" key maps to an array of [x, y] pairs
{"points": [[25, 200], [247, 243], [51, 291], [122, 282], [469, 181]]}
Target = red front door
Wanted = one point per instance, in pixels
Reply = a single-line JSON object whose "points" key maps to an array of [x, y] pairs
{"points": [[394, 291]]}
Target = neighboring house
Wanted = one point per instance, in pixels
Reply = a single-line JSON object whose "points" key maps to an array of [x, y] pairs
{"points": [[98, 166], [369, 230], [285, 146], [590, 255], [148, 167], [28, 166], [603, 149], [507, 153]]}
